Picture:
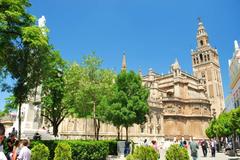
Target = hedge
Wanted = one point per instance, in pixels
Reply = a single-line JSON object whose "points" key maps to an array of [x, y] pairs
{"points": [[40, 152], [175, 152], [144, 153], [63, 151], [84, 150]]}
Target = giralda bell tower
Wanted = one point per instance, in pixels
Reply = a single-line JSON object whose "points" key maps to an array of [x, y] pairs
{"points": [[205, 62]]}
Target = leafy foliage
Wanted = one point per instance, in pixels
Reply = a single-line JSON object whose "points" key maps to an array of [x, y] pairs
{"points": [[63, 151], [129, 104], [39, 152], [51, 144], [11, 104], [210, 130], [175, 152], [87, 88], [85, 150], [235, 120], [228, 123], [53, 89], [24, 50], [89, 150], [143, 153]]}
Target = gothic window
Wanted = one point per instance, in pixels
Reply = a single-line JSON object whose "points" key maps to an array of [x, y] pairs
{"points": [[201, 57], [158, 130], [201, 42], [158, 119], [150, 119], [151, 130], [208, 57], [197, 60], [205, 58], [194, 61]]}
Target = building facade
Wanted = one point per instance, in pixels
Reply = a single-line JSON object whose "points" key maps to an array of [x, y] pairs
{"points": [[234, 69], [179, 107]]}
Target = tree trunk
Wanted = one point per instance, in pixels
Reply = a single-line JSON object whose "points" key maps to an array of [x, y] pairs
{"points": [[86, 128], [234, 142], [118, 133], [98, 128], [127, 133], [121, 134], [220, 144], [19, 121], [55, 130], [94, 120]]}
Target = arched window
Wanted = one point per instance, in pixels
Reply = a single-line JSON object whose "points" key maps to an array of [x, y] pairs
{"points": [[151, 130], [208, 57], [201, 42], [201, 57], [205, 58]]}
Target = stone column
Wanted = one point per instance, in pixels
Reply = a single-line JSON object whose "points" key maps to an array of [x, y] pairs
{"points": [[162, 125]]}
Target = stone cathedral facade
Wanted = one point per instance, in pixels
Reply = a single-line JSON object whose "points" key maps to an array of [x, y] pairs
{"points": [[181, 104]]}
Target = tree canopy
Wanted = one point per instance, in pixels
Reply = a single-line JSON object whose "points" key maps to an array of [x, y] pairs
{"points": [[53, 89], [227, 124], [87, 87], [24, 50], [129, 105]]}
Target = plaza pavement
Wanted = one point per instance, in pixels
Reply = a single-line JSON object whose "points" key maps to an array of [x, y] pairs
{"points": [[219, 156]]}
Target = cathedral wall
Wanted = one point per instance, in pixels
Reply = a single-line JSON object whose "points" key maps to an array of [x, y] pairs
{"points": [[185, 127]]}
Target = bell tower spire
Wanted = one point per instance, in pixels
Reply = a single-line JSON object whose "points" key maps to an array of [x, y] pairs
{"points": [[206, 66], [124, 64], [202, 36]]}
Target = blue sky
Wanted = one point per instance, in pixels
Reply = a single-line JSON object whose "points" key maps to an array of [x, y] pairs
{"points": [[151, 32]]}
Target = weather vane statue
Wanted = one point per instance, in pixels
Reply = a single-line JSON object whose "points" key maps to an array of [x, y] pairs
{"points": [[42, 22]]}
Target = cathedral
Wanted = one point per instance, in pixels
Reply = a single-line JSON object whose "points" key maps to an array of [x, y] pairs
{"points": [[181, 104]]}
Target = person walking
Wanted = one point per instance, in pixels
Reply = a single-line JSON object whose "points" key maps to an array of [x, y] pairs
{"points": [[194, 150], [3, 143], [127, 148], [213, 147], [16, 150], [204, 146], [145, 143], [155, 147], [25, 152]]}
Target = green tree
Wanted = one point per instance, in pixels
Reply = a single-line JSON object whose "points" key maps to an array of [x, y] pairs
{"points": [[222, 126], [24, 49], [53, 89], [129, 105], [235, 125], [88, 86], [10, 105]]}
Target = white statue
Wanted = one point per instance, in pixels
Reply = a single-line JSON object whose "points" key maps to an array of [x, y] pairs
{"points": [[236, 45], [42, 22]]}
